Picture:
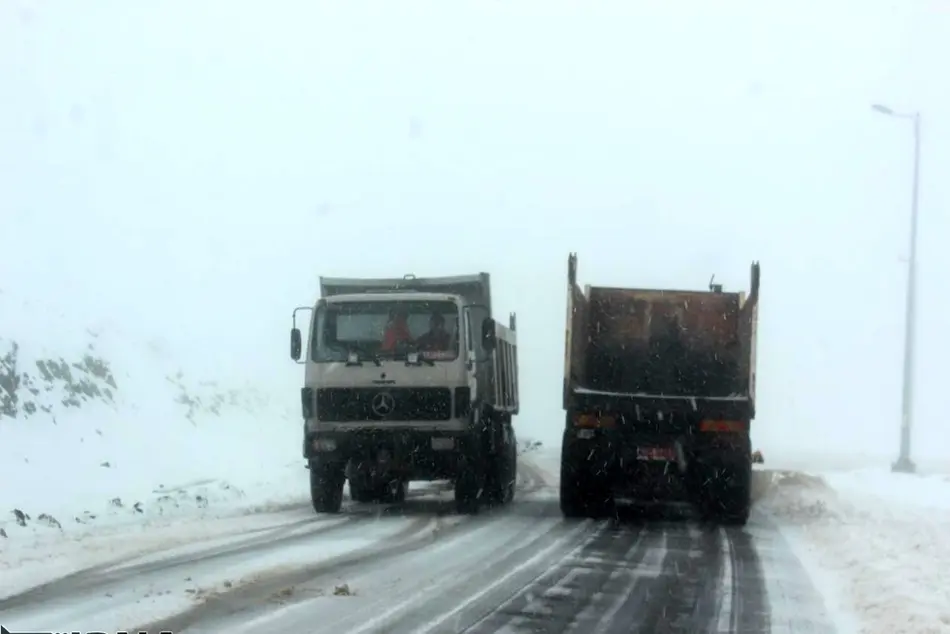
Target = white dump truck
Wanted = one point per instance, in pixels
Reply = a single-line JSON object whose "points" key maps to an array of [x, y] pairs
{"points": [[408, 379]]}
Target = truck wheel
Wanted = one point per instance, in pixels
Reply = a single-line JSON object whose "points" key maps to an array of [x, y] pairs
{"points": [[467, 485], [500, 480], [735, 498], [510, 464], [326, 487], [572, 505], [361, 492], [581, 495], [585, 498], [512, 475], [394, 491], [724, 493]]}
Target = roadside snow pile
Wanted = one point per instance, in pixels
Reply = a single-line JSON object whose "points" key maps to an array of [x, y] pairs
{"points": [[99, 425], [875, 542]]}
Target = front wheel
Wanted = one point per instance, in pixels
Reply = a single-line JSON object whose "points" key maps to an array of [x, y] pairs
{"points": [[326, 487]]}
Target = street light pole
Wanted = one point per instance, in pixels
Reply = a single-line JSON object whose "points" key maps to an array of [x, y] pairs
{"points": [[904, 464]]}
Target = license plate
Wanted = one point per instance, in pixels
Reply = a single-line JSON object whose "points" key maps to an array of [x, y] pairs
{"points": [[443, 444], [662, 454]]}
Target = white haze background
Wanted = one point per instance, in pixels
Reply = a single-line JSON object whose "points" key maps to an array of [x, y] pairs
{"points": [[191, 168]]}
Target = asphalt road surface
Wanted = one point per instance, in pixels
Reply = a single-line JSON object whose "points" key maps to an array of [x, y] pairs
{"points": [[521, 569]]}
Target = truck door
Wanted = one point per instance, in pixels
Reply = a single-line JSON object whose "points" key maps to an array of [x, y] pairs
{"points": [[479, 371]]}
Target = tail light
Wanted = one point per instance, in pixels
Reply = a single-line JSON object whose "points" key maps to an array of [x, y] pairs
{"points": [[592, 421], [723, 425]]}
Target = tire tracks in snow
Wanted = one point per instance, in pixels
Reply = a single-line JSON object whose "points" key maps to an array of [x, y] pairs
{"points": [[744, 586], [113, 572], [475, 568], [678, 578], [432, 527]]}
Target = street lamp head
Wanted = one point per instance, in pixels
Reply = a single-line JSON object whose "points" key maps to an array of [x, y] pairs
{"points": [[882, 109]]}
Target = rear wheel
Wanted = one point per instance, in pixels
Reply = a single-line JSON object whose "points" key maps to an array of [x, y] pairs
{"points": [[393, 491], [723, 491], [363, 489], [512, 478], [468, 483], [501, 474], [360, 492], [735, 494], [326, 487], [582, 493]]}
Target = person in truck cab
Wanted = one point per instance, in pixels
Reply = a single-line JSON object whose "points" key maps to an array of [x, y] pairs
{"points": [[438, 338], [397, 331]]}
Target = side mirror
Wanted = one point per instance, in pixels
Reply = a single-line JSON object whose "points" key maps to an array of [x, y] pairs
{"points": [[488, 334], [295, 344]]}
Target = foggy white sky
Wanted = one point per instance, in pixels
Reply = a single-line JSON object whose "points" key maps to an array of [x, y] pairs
{"points": [[191, 168]]}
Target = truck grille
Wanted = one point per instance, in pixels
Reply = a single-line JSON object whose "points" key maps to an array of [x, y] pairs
{"points": [[376, 404]]}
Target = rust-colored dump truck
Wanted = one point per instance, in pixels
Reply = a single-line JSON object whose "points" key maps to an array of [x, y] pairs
{"points": [[659, 394]]}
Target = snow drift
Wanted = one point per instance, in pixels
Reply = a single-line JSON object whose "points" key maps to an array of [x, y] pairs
{"points": [[874, 542], [98, 421]]}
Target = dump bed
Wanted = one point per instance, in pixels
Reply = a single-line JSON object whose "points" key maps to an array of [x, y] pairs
{"points": [[660, 344]]}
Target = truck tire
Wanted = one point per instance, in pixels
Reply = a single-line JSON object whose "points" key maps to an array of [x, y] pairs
{"points": [[500, 477], [361, 492], [581, 493], [723, 492], [512, 468], [366, 491], [735, 494], [512, 474], [393, 491], [468, 482], [572, 503], [326, 487]]}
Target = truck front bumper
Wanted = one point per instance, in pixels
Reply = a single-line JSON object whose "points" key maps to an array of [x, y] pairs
{"points": [[412, 452]]}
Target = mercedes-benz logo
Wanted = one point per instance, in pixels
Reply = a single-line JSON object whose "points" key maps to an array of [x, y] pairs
{"points": [[383, 404]]}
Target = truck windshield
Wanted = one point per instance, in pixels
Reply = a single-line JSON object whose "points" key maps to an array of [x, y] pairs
{"points": [[386, 330]]}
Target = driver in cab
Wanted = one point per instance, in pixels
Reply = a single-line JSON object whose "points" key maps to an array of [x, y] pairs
{"points": [[438, 338], [397, 331]]}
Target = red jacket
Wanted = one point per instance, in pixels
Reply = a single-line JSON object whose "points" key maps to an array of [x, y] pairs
{"points": [[397, 332]]}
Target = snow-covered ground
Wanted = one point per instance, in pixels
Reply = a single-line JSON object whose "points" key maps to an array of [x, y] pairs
{"points": [[104, 430], [874, 542], [115, 444]]}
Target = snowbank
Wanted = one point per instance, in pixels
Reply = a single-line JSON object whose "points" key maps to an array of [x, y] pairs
{"points": [[875, 543], [99, 424]]}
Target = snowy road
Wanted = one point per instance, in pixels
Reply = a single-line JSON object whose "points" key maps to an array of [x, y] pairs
{"points": [[421, 568]]}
